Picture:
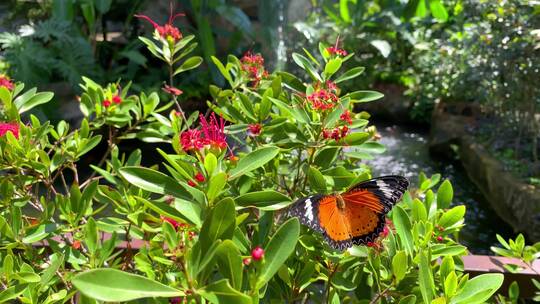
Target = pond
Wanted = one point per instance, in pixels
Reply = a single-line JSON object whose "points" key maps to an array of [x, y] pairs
{"points": [[407, 154]]}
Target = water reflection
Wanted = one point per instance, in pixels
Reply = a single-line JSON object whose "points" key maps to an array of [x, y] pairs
{"points": [[407, 154]]}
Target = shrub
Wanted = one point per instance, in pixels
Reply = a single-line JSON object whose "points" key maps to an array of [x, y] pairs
{"points": [[210, 216]]}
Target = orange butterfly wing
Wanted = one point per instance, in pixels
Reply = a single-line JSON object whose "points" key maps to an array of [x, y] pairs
{"points": [[362, 218]]}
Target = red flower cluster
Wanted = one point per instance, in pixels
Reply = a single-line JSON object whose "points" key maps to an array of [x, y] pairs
{"points": [[334, 50], [324, 98], [253, 65], [336, 134], [168, 30], [115, 99], [254, 129], [172, 90], [6, 82], [211, 134], [377, 244], [12, 127], [346, 116]]}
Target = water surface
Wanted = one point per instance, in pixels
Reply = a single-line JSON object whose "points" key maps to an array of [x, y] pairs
{"points": [[407, 154]]}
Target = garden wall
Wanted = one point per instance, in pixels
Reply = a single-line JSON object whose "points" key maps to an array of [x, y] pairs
{"points": [[515, 202]]}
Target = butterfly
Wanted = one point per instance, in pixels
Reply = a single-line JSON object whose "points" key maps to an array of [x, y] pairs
{"points": [[356, 216]]}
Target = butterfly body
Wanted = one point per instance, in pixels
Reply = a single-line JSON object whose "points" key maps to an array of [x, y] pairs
{"points": [[354, 217]]}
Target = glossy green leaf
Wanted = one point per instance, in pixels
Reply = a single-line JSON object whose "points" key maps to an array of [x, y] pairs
{"points": [[253, 160], [230, 263], [399, 265], [219, 224], [107, 284], [264, 200], [438, 10], [452, 216], [478, 289], [154, 181], [332, 66], [278, 250], [316, 180], [189, 212], [403, 228], [216, 185], [24, 104], [364, 96], [350, 74], [445, 194], [221, 292], [425, 277]]}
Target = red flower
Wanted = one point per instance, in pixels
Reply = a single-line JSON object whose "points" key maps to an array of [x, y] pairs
{"points": [[116, 99], [213, 131], [336, 134], [346, 116], [191, 140], [322, 99], [168, 30], [191, 183], [333, 50], [172, 90], [12, 127], [174, 223], [254, 129], [440, 239], [257, 253], [199, 177], [6, 82], [107, 103], [253, 65]]}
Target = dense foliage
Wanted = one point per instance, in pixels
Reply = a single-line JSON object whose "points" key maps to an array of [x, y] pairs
{"points": [[207, 221]]}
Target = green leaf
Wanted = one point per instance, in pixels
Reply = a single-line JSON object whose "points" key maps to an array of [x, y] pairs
{"points": [[112, 285], [479, 289], [450, 285], [447, 250], [190, 212], [23, 104], [399, 265], [445, 194], [352, 73], [210, 163], [344, 11], [438, 10], [222, 69], [425, 277], [154, 181], [219, 224], [91, 236], [452, 216], [279, 249], [316, 180], [215, 185], [353, 139], [364, 96], [221, 292], [403, 228], [332, 66], [253, 160], [264, 200], [229, 262], [189, 64], [410, 299], [305, 64], [39, 233], [12, 292]]}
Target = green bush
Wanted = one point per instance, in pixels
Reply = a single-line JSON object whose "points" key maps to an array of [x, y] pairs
{"points": [[211, 215]]}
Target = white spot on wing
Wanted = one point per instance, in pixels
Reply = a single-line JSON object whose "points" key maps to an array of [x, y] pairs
{"points": [[384, 188], [309, 209]]}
